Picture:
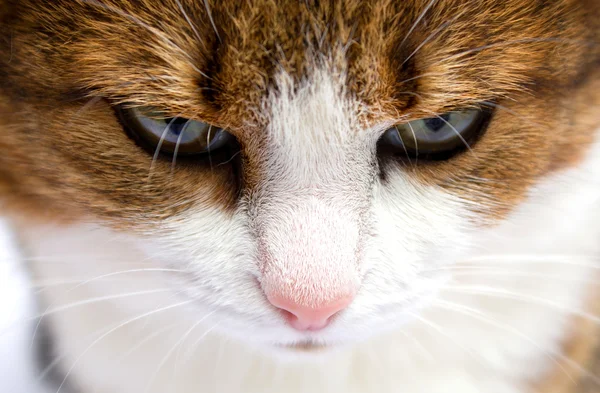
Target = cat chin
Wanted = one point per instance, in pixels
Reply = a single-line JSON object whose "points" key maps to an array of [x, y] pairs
{"points": [[302, 351], [284, 344]]}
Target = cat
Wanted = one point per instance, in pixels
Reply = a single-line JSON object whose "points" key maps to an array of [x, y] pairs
{"points": [[306, 196]]}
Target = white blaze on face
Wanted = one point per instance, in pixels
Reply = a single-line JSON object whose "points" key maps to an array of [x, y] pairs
{"points": [[318, 228], [310, 207]]}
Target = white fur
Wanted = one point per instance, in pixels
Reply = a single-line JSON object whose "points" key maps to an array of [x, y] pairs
{"points": [[320, 224], [17, 358], [309, 211]]}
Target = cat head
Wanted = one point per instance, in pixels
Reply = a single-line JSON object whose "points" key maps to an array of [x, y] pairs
{"points": [[312, 166]]}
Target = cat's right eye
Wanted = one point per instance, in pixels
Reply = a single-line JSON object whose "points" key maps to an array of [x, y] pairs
{"points": [[172, 135], [439, 137]]}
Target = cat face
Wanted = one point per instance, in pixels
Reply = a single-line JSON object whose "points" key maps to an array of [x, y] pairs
{"points": [[313, 218]]}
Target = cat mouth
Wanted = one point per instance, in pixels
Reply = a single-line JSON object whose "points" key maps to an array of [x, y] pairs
{"points": [[308, 346]]}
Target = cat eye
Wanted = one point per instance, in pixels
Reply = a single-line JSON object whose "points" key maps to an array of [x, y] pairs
{"points": [[438, 137], [172, 135]]}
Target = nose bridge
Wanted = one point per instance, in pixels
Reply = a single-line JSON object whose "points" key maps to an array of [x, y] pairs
{"points": [[310, 250], [309, 212], [309, 193], [312, 160], [311, 128]]}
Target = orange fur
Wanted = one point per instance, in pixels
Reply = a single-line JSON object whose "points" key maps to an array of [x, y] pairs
{"points": [[141, 54]]}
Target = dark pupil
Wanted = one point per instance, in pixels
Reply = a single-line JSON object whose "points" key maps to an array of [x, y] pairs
{"points": [[176, 124], [436, 123]]}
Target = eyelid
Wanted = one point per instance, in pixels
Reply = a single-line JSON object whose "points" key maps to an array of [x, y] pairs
{"points": [[170, 135], [417, 139]]}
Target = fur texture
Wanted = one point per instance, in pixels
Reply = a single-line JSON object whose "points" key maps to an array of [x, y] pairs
{"points": [[468, 273]]}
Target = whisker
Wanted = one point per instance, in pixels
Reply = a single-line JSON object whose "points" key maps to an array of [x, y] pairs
{"points": [[156, 32], [212, 21], [423, 76], [403, 144], [349, 41], [427, 354], [480, 316], [413, 27], [159, 145], [92, 101], [432, 35], [196, 343], [148, 338], [172, 350], [494, 272], [99, 299], [569, 259], [412, 130], [178, 355], [414, 94], [60, 258], [145, 270], [455, 131], [505, 294], [373, 357], [176, 151], [86, 282], [208, 147], [192, 25], [508, 110], [96, 341], [506, 43], [440, 330], [42, 286], [70, 306], [229, 160]]}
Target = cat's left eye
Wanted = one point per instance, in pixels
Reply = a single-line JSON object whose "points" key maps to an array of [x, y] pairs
{"points": [[172, 135], [438, 137]]}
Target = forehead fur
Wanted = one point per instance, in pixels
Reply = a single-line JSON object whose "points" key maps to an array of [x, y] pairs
{"points": [[218, 61]]}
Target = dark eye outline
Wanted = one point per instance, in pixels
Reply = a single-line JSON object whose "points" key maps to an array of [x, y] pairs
{"points": [[394, 143], [142, 135]]}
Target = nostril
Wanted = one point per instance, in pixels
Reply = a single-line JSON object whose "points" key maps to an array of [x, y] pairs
{"points": [[304, 322], [302, 317]]}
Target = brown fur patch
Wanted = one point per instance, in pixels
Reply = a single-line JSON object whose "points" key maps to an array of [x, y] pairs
{"points": [[69, 174], [578, 369]]}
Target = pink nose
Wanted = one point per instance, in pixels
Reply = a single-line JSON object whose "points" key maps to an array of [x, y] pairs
{"points": [[303, 318]]}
